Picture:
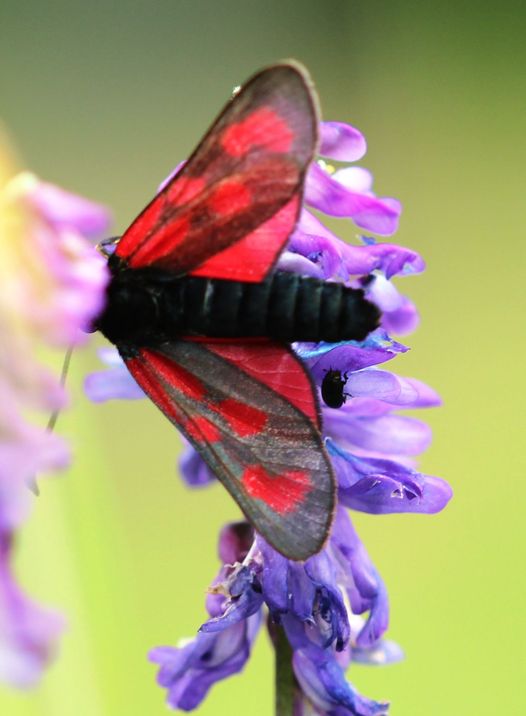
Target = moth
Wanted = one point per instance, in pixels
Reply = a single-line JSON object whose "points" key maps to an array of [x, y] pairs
{"points": [[332, 388], [204, 322]]}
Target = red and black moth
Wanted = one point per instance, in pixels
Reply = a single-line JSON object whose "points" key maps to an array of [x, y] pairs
{"points": [[204, 322]]}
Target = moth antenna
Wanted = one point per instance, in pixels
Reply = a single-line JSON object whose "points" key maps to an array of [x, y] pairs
{"points": [[63, 375], [32, 481]]}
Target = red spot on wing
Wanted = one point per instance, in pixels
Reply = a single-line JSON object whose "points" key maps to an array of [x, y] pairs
{"points": [[147, 369], [283, 492], [244, 419], [175, 375], [276, 367], [166, 238], [184, 189], [202, 430], [230, 197], [263, 128], [251, 258], [146, 378]]}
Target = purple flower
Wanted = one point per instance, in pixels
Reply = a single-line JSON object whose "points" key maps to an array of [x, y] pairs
{"points": [[28, 632], [51, 285], [309, 600], [347, 192], [115, 383], [61, 279], [188, 671], [372, 447], [334, 607]]}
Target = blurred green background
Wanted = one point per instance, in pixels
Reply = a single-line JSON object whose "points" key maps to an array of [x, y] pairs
{"points": [[104, 98]]}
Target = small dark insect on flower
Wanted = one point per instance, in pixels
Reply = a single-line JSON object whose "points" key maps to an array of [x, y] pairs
{"points": [[332, 388]]}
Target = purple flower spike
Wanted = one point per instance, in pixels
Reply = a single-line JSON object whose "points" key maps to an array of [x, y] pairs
{"points": [[333, 607], [341, 142], [45, 303]]}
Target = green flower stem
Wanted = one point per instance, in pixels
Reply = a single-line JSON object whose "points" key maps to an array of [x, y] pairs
{"points": [[285, 681]]}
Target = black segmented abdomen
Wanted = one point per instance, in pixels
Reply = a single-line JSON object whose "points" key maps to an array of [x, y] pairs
{"points": [[145, 308], [286, 306]]}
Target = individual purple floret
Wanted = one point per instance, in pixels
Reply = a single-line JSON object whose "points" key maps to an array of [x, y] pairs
{"points": [[189, 671]]}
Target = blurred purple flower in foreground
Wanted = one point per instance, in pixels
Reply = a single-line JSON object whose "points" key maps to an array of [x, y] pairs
{"points": [[51, 284], [333, 608]]}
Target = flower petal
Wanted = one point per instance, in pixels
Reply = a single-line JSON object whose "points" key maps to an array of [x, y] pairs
{"points": [[366, 590], [67, 210], [235, 540], [387, 434], [402, 320], [302, 592], [379, 486], [194, 470], [324, 193], [274, 579], [112, 384], [189, 672], [382, 385], [399, 315], [321, 250], [342, 142], [380, 653], [355, 178], [390, 259], [244, 606], [323, 681], [345, 357], [295, 263]]}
